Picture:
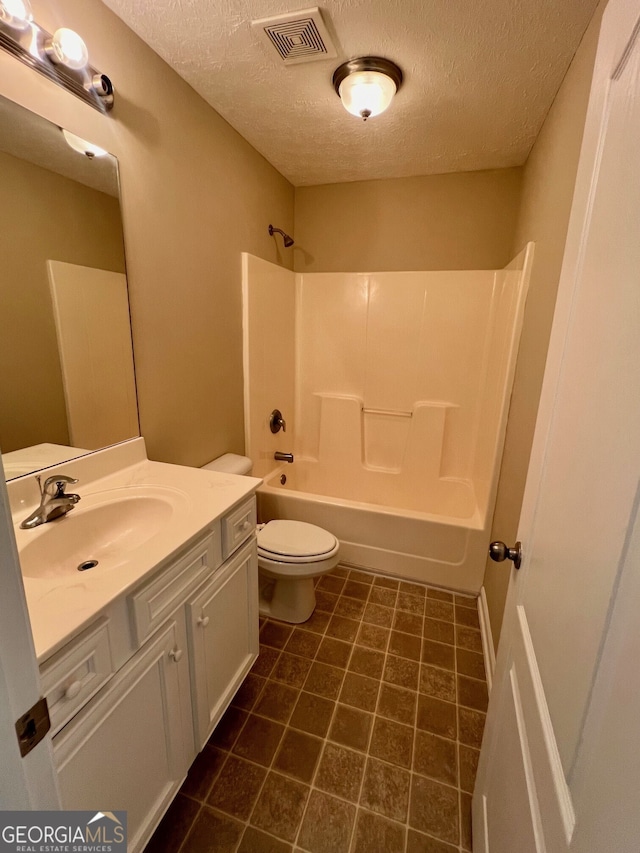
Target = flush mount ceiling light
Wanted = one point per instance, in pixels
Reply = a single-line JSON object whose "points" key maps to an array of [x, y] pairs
{"points": [[62, 57], [367, 85], [16, 14]]}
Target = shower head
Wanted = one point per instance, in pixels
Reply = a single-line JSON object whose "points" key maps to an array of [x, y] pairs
{"points": [[288, 241]]}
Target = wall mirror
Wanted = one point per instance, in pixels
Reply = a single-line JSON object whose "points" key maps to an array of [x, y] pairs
{"points": [[67, 383]]}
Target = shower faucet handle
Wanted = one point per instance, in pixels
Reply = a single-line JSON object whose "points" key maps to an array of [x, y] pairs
{"points": [[277, 422]]}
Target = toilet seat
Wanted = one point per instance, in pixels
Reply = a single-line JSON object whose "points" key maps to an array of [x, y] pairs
{"points": [[291, 554], [282, 541]]}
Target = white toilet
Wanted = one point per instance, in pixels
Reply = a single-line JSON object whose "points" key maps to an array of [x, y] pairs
{"points": [[290, 555]]}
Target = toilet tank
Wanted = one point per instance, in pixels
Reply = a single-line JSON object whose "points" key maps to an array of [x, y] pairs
{"points": [[230, 463]]}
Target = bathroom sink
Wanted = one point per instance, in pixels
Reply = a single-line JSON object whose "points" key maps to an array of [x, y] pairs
{"points": [[103, 532]]}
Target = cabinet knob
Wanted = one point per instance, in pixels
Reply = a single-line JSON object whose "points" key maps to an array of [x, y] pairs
{"points": [[176, 654], [73, 689], [203, 621], [245, 525]]}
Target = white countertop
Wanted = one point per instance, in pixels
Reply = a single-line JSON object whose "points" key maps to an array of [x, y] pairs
{"points": [[16, 463], [61, 605]]}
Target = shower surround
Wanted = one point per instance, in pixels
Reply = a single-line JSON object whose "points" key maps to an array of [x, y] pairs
{"points": [[395, 388]]}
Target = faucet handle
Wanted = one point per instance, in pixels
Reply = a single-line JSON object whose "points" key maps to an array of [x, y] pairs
{"points": [[59, 481], [277, 422]]}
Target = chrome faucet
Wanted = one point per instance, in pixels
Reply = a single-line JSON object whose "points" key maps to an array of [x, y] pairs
{"points": [[54, 501], [283, 457]]}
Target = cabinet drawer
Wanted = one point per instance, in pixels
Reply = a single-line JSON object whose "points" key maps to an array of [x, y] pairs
{"points": [[238, 526], [153, 602], [74, 674]]}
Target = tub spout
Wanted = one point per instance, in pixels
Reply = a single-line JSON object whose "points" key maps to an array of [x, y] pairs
{"points": [[283, 457]]}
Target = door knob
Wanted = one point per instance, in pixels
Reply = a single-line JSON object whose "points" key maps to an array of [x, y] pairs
{"points": [[498, 551]]}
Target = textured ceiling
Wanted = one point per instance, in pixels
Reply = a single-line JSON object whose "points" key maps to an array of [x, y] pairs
{"points": [[480, 77]]}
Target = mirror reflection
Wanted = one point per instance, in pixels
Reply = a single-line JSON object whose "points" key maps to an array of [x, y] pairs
{"points": [[66, 362]]}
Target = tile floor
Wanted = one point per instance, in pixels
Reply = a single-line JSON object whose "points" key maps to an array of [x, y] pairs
{"points": [[355, 732]]}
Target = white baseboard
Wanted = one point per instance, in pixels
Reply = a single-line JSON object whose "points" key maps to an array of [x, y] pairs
{"points": [[487, 638]]}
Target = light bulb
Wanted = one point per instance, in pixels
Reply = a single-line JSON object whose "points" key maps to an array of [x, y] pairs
{"points": [[367, 93], [16, 13], [65, 47], [82, 146]]}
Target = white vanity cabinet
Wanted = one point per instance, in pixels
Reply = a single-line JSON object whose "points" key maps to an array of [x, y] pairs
{"points": [[125, 749], [128, 731]]}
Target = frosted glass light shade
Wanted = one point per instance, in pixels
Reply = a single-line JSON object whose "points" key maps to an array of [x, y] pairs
{"points": [[82, 146], [367, 93], [16, 13], [65, 47], [366, 85]]}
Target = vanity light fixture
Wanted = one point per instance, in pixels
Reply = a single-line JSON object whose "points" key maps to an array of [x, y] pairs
{"points": [[82, 146], [367, 85], [62, 57], [65, 47], [16, 14]]}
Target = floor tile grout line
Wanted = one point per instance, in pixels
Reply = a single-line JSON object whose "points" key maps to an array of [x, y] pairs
{"points": [[354, 642], [326, 738], [368, 755], [375, 714], [346, 671], [269, 769], [457, 748], [415, 732], [191, 825]]}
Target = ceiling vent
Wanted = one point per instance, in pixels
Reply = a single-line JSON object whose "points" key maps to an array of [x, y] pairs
{"points": [[297, 36]]}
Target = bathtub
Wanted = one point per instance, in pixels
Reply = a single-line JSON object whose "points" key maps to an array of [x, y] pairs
{"points": [[445, 546], [395, 387]]}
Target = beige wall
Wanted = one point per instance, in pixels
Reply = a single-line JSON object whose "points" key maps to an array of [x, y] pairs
{"points": [[194, 196], [549, 178], [464, 220], [46, 217]]}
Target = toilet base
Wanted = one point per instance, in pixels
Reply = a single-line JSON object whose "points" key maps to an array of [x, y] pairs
{"points": [[287, 600]]}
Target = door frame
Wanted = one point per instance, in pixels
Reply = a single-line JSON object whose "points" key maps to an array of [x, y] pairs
{"points": [[31, 782]]}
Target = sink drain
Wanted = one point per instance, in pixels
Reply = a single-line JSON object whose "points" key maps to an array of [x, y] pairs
{"points": [[87, 564]]}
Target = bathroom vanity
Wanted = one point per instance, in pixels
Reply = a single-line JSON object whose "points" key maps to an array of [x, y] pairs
{"points": [[141, 654]]}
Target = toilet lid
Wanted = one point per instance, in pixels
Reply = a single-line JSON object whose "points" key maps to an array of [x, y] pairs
{"points": [[294, 539]]}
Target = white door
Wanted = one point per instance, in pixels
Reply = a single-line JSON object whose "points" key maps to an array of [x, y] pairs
{"points": [[29, 782], [560, 763]]}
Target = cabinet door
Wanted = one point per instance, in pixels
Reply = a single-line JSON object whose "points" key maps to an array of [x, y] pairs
{"points": [[126, 748], [222, 623]]}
